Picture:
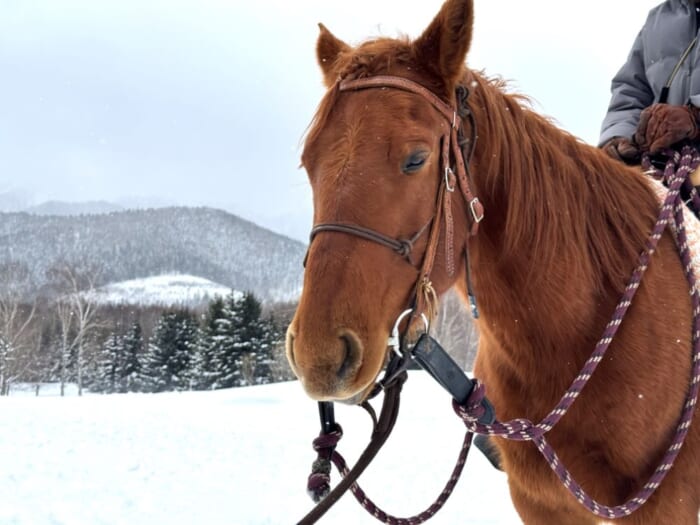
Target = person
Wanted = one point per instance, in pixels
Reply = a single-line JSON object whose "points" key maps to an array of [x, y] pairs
{"points": [[655, 96]]}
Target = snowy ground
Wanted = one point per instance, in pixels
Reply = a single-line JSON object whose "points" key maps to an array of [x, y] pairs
{"points": [[233, 457]]}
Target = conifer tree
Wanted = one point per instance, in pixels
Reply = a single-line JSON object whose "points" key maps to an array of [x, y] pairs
{"points": [[205, 369], [166, 364], [229, 352], [132, 350], [271, 338], [109, 366], [249, 352]]}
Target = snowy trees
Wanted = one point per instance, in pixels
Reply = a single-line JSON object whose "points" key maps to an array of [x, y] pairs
{"points": [[168, 360], [15, 321], [232, 347], [119, 363], [68, 339], [75, 309]]}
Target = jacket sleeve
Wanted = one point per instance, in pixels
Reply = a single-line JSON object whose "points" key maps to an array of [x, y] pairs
{"points": [[631, 93]]}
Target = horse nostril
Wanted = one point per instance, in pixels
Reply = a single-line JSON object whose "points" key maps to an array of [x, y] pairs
{"points": [[351, 356]]}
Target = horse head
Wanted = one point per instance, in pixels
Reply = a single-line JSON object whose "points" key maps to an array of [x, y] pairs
{"points": [[379, 166]]}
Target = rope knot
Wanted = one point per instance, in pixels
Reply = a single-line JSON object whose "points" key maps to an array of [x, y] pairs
{"points": [[473, 409], [319, 483], [405, 247]]}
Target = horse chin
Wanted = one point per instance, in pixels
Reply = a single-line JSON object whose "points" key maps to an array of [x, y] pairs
{"points": [[345, 397], [358, 398]]}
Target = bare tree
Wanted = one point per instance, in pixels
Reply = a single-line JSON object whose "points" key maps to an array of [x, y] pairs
{"points": [[16, 313], [75, 308]]}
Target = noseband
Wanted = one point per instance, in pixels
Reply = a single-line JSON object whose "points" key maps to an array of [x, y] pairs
{"points": [[452, 144]]}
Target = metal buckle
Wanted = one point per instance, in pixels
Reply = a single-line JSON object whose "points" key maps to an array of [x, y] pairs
{"points": [[477, 218]]}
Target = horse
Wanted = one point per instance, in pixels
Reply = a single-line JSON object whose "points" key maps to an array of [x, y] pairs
{"points": [[562, 229]]}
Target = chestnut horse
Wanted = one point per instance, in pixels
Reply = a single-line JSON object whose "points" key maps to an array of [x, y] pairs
{"points": [[562, 232]]}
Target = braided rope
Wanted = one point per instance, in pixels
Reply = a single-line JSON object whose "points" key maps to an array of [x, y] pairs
{"points": [[319, 480], [525, 430]]}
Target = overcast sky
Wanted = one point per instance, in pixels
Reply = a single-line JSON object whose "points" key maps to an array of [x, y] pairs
{"points": [[204, 102]]}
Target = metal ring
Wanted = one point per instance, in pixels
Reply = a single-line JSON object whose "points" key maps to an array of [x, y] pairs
{"points": [[395, 338]]}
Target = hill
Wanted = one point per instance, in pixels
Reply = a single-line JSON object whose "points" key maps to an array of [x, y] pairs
{"points": [[205, 242]]}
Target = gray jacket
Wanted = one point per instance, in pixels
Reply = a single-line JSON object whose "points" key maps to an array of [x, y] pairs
{"points": [[669, 28]]}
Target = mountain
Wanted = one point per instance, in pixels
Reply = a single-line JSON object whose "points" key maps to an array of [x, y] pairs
{"points": [[162, 290], [205, 242], [73, 208]]}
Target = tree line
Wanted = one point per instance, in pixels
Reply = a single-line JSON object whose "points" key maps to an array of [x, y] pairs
{"points": [[63, 336], [233, 345]]}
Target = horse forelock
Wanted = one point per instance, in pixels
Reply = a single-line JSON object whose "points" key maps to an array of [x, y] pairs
{"points": [[380, 56], [564, 199]]}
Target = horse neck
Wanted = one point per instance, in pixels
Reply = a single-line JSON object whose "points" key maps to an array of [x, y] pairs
{"points": [[564, 224]]}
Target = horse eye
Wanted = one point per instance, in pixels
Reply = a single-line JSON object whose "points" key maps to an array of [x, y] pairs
{"points": [[414, 162]]}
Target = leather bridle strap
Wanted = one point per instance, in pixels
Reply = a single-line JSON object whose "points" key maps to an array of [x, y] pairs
{"points": [[404, 247], [382, 81]]}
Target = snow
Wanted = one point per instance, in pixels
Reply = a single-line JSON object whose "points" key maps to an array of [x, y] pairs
{"points": [[233, 457], [162, 290]]}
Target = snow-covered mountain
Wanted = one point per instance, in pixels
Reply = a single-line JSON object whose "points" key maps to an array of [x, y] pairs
{"points": [[73, 208], [205, 242], [162, 290]]}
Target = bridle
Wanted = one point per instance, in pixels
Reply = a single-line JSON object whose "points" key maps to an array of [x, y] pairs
{"points": [[454, 147], [452, 143]]}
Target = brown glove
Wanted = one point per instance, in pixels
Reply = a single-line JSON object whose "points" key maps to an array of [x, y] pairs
{"points": [[662, 125], [623, 149]]}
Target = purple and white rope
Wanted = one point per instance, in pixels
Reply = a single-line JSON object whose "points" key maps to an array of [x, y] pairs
{"points": [[525, 430], [319, 481]]}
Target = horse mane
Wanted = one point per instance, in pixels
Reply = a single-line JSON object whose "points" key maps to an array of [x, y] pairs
{"points": [[565, 199]]}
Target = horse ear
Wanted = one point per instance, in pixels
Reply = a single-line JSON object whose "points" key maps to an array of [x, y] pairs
{"points": [[444, 44], [328, 48]]}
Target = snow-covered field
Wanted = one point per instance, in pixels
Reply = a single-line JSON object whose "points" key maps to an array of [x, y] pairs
{"points": [[233, 457]]}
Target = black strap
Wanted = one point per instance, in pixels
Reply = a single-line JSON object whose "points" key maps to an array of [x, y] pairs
{"points": [[663, 96]]}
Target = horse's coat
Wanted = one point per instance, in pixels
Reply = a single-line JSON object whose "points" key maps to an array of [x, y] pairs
{"points": [[563, 229]]}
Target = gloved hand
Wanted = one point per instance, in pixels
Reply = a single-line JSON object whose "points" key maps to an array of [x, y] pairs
{"points": [[623, 149], [662, 125]]}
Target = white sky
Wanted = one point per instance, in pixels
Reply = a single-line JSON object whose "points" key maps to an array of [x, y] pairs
{"points": [[205, 101]]}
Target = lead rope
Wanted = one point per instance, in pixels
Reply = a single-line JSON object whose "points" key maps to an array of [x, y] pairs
{"points": [[525, 430]]}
